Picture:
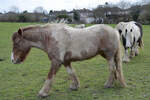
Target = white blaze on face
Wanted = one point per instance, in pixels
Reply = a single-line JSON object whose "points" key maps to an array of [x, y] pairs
{"points": [[12, 56], [128, 44], [129, 34], [129, 39]]}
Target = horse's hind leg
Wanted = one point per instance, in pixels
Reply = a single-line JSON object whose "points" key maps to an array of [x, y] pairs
{"points": [[112, 75], [75, 82], [119, 71], [48, 83], [132, 52], [136, 50], [120, 76]]}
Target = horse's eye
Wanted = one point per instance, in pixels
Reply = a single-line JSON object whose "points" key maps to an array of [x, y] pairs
{"points": [[120, 31], [16, 46], [131, 30]]}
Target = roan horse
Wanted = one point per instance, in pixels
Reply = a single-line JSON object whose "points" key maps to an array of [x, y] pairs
{"points": [[65, 44]]}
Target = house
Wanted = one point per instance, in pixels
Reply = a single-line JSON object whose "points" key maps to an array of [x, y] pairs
{"points": [[86, 16]]}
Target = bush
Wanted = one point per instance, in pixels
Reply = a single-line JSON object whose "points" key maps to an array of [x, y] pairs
{"points": [[76, 16]]}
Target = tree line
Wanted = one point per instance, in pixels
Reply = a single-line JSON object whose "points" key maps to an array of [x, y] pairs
{"points": [[108, 13]]}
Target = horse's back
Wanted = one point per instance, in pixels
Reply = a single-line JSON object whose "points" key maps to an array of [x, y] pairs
{"points": [[88, 42]]}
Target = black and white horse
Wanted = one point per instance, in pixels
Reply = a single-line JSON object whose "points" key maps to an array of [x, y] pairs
{"points": [[131, 36]]}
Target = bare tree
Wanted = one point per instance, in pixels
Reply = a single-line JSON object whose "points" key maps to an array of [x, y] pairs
{"points": [[14, 9], [144, 15], [99, 11], [39, 10], [45, 12], [123, 4], [145, 2]]}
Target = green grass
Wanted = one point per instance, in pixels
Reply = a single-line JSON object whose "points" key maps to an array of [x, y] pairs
{"points": [[23, 82]]}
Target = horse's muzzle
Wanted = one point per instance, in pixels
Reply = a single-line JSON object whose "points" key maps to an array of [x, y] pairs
{"points": [[18, 61]]}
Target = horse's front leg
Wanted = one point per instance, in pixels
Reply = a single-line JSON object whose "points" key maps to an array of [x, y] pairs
{"points": [[55, 65], [136, 50], [126, 56], [75, 82], [132, 52]]}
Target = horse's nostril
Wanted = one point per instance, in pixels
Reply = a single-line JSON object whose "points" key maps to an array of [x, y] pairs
{"points": [[18, 60], [13, 61]]}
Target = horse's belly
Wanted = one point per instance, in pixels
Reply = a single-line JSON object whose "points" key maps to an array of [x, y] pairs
{"points": [[84, 48], [84, 53]]}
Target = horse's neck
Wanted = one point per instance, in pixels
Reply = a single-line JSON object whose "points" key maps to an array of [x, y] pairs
{"points": [[35, 37]]}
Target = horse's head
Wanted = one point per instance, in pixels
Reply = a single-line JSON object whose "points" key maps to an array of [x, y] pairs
{"points": [[120, 27], [21, 47], [128, 34]]}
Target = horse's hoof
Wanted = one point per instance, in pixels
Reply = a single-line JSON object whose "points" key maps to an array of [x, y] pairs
{"points": [[108, 86], [43, 95], [1, 59], [136, 54], [131, 56], [124, 86], [74, 87], [126, 61]]}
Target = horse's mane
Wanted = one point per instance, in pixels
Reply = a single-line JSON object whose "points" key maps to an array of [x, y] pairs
{"points": [[14, 36], [140, 27], [31, 27], [40, 26]]}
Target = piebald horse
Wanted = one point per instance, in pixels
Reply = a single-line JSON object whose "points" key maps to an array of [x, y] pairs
{"points": [[131, 35], [65, 44]]}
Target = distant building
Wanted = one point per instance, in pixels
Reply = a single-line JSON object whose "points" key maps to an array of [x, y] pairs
{"points": [[86, 16]]}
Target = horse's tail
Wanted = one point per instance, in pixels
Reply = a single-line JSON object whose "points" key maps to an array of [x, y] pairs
{"points": [[141, 44], [118, 62]]}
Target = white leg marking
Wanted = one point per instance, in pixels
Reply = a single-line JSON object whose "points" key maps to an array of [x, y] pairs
{"points": [[126, 57], [128, 44], [46, 87], [69, 70], [12, 56], [75, 83]]}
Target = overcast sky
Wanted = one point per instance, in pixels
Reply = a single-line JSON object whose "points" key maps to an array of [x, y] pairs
{"points": [[30, 5]]}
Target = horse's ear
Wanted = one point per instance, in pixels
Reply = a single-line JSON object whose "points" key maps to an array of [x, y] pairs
{"points": [[20, 32]]}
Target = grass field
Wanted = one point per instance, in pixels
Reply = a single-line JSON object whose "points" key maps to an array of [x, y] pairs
{"points": [[23, 82]]}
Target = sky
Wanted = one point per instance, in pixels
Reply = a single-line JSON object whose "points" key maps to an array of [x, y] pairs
{"points": [[30, 5]]}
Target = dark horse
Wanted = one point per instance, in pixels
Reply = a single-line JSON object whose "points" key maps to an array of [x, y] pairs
{"points": [[65, 44]]}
